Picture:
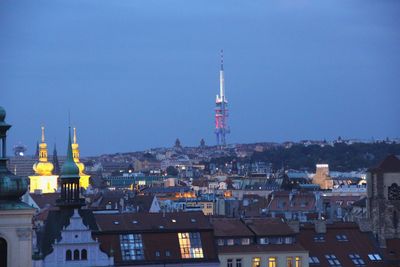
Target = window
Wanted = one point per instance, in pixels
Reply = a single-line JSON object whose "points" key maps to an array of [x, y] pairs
{"points": [[272, 262], [288, 240], [229, 263], [319, 238], [131, 247], [245, 241], [332, 260], [167, 253], [190, 244], [394, 192], [220, 242], [357, 260], [289, 262], [157, 253], [76, 255], [374, 257], [84, 254], [238, 262], [297, 262], [68, 255], [313, 260], [341, 238], [263, 240], [230, 242], [256, 262]]}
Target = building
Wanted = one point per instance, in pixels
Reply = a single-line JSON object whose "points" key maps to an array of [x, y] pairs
{"points": [[66, 237], [158, 239], [322, 177], [257, 242], [43, 181], [383, 202], [16, 216]]}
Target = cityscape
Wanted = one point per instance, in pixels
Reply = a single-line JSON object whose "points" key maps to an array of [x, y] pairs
{"points": [[280, 181]]}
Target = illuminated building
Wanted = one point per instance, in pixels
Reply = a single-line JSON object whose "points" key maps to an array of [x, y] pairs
{"points": [[43, 181], [84, 178]]}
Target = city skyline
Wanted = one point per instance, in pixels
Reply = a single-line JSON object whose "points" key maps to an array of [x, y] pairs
{"points": [[154, 75]]}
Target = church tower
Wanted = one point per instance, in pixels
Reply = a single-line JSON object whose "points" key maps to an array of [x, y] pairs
{"points": [[84, 178], [16, 216], [43, 181], [383, 202], [70, 189]]}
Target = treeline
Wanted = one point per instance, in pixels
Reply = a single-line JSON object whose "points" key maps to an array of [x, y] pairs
{"points": [[340, 157]]}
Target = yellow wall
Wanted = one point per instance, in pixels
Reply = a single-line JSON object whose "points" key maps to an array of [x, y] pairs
{"points": [[47, 184]]}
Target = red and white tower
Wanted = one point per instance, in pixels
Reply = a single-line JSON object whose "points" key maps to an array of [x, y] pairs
{"points": [[221, 109]]}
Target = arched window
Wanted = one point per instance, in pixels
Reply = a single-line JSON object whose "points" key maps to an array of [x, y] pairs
{"points": [[394, 192], [68, 255], [76, 255], [84, 254]]}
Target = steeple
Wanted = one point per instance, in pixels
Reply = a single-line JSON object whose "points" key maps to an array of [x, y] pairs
{"points": [[56, 163], [76, 155], [70, 181], [43, 167]]}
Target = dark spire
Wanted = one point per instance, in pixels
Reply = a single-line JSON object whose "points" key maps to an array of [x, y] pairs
{"points": [[56, 163], [70, 189], [37, 150]]}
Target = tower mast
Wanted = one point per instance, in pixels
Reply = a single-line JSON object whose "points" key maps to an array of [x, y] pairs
{"points": [[221, 109]]}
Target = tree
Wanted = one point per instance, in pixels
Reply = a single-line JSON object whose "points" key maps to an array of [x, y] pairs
{"points": [[172, 171]]}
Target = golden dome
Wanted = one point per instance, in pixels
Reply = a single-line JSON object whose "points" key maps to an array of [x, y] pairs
{"points": [[43, 168]]}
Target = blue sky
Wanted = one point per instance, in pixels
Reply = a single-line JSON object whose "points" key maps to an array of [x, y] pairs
{"points": [[137, 74]]}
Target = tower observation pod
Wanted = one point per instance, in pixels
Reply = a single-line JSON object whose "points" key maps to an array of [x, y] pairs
{"points": [[221, 109]]}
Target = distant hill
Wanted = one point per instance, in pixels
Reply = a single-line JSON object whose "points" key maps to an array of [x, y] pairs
{"points": [[340, 156]]}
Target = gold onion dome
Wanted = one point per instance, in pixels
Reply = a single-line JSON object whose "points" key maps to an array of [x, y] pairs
{"points": [[43, 167]]}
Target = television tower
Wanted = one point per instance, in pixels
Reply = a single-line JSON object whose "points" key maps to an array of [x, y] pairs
{"points": [[221, 109]]}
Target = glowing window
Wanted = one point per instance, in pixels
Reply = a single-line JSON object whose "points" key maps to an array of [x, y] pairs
{"points": [[272, 262], [289, 262], [131, 247], [190, 245], [297, 262], [256, 262], [356, 259]]}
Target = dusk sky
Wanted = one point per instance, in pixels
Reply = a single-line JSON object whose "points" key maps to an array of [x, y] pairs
{"points": [[137, 74]]}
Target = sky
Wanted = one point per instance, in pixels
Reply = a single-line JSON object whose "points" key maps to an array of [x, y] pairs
{"points": [[137, 74]]}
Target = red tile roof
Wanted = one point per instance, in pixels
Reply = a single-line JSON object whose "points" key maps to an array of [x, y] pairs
{"points": [[229, 227]]}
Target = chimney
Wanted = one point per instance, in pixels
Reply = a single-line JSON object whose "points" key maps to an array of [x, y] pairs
{"points": [[294, 225], [320, 226]]}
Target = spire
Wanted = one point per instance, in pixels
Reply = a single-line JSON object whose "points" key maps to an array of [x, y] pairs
{"points": [[74, 135], [37, 150], [221, 79], [69, 168], [42, 134], [55, 161]]}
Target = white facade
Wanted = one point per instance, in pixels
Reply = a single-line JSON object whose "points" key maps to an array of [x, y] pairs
{"points": [[76, 248]]}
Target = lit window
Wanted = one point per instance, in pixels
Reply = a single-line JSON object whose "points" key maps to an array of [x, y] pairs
{"points": [[167, 253], [374, 257], [256, 262], [313, 260], [238, 262], [332, 260], [245, 241], [230, 242], [157, 253], [341, 238], [190, 244], [289, 262], [288, 240], [357, 260], [272, 262], [297, 262], [131, 247], [263, 240], [319, 238], [220, 242], [229, 263]]}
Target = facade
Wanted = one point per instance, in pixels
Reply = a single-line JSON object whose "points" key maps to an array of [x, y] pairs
{"points": [[43, 181], [322, 178], [16, 216], [157, 239], [383, 202], [257, 242]]}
